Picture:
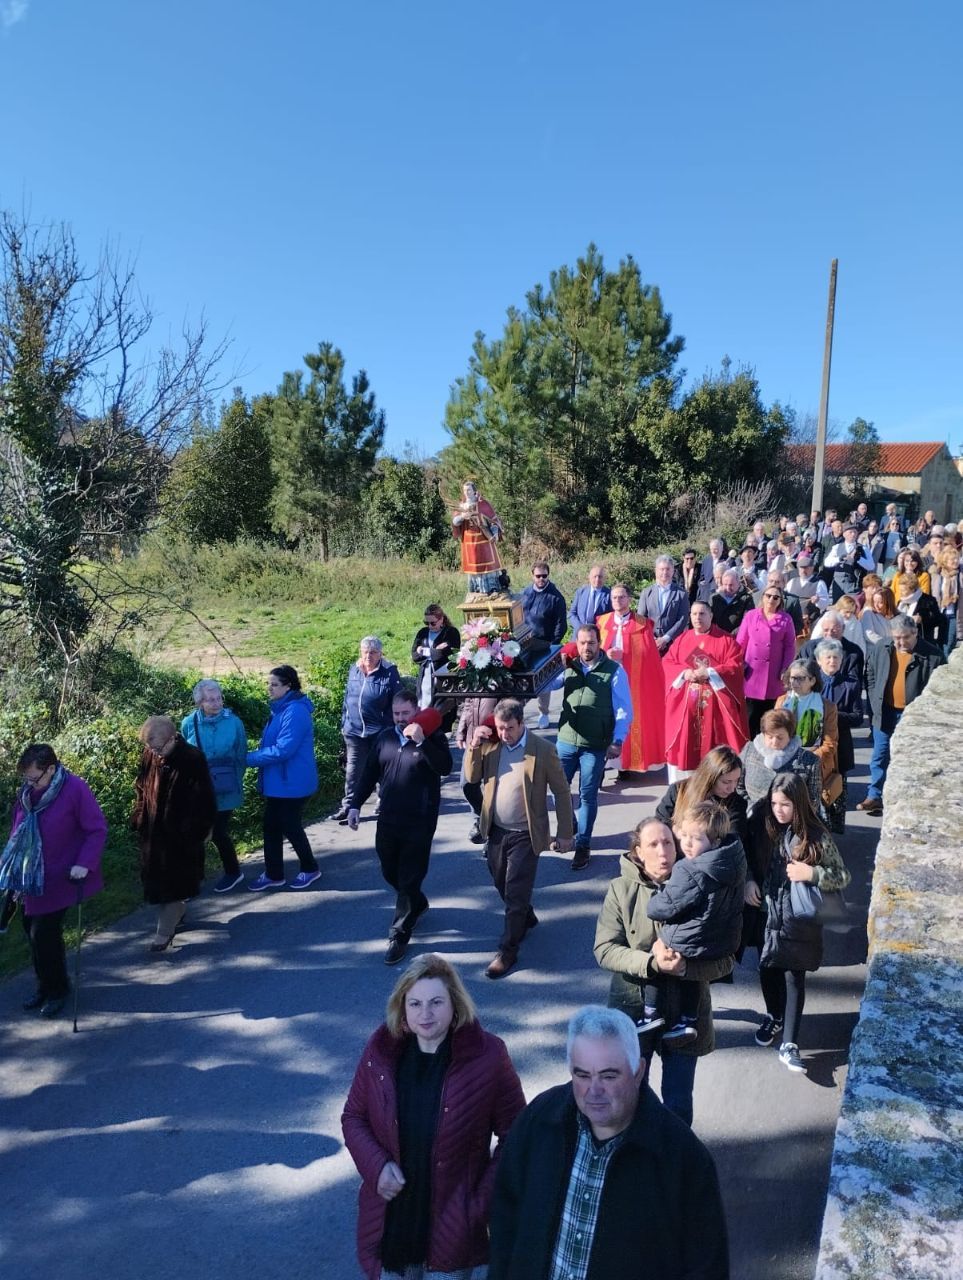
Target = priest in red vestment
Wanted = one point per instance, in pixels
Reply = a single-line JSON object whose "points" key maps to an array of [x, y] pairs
{"points": [[629, 640], [705, 700]]}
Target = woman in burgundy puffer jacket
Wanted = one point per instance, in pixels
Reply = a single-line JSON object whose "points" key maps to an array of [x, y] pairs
{"points": [[431, 1090]]}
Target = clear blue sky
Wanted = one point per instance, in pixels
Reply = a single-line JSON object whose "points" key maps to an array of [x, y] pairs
{"points": [[392, 176]]}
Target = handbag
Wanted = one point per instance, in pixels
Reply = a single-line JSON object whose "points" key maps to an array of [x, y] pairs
{"points": [[223, 773], [832, 789], [807, 902]]}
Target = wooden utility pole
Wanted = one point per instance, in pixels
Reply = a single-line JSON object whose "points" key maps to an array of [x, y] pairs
{"points": [[820, 464]]}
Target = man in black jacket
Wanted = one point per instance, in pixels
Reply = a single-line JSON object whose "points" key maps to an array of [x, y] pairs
{"points": [[409, 760], [545, 613], [897, 672], [585, 1159]]}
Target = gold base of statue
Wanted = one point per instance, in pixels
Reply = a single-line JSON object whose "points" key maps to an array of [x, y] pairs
{"points": [[505, 609]]}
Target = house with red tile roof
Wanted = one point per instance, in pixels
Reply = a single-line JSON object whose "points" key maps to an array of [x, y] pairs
{"points": [[918, 477]]}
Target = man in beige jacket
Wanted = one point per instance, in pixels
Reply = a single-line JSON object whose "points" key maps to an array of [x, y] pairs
{"points": [[516, 770]]}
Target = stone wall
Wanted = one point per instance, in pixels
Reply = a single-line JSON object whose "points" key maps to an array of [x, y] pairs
{"points": [[895, 1206]]}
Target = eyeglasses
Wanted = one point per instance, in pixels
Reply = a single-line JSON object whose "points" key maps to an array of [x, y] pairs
{"points": [[772, 595], [33, 782], [540, 575], [799, 679]]}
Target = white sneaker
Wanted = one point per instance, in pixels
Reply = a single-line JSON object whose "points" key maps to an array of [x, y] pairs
{"points": [[543, 722]]}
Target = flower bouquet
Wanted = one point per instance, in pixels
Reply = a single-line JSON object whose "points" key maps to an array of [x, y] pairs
{"points": [[485, 643]]}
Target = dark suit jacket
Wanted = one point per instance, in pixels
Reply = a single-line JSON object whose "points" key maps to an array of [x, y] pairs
{"points": [[692, 591], [581, 612], [706, 580], [674, 619]]}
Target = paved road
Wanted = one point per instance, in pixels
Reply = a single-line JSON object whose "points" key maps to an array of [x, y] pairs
{"points": [[191, 1127]]}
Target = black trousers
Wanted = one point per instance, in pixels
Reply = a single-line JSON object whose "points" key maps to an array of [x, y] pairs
{"points": [[357, 751], [282, 819], [756, 708], [46, 937], [221, 839], [472, 792], [784, 991], [403, 853], [513, 864]]}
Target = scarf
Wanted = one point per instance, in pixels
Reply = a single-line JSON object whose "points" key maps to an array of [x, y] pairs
{"points": [[808, 711], [949, 591], [777, 760], [21, 863]]}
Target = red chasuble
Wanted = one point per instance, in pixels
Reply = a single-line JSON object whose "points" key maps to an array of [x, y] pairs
{"points": [[698, 717], [645, 745]]}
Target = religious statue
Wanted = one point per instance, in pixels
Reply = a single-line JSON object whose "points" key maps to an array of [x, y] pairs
{"points": [[478, 529]]}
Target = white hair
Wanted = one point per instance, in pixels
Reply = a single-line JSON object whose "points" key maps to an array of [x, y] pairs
{"points": [[371, 642], [833, 615], [595, 1022], [202, 687], [664, 560], [828, 646]]}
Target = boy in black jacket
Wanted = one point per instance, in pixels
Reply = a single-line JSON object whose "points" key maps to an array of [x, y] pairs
{"points": [[409, 760], [700, 906]]}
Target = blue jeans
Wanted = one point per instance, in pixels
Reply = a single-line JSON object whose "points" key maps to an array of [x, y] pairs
{"points": [[879, 761], [590, 764], [678, 1081], [950, 643]]}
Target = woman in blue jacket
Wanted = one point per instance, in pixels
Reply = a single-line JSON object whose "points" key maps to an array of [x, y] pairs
{"points": [[287, 776], [219, 733]]}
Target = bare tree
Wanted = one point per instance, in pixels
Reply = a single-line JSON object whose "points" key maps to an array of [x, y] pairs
{"points": [[90, 418]]}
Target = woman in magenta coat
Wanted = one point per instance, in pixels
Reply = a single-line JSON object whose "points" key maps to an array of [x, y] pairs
{"points": [[431, 1091], [51, 862], [768, 639]]}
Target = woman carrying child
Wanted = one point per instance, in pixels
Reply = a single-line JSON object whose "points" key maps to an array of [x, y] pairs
{"points": [[787, 843], [700, 908], [628, 945]]}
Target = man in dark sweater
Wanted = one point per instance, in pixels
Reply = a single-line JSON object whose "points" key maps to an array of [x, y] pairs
{"points": [[409, 760], [585, 1159], [545, 613]]}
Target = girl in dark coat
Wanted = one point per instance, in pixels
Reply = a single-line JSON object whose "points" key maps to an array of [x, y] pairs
{"points": [[431, 1090], [717, 778], [787, 842], [173, 816]]}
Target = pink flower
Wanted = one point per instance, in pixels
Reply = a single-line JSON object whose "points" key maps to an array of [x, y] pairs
{"points": [[507, 660], [463, 663], [483, 642]]}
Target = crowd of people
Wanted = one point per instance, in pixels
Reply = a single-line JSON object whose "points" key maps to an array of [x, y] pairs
{"points": [[745, 673]]}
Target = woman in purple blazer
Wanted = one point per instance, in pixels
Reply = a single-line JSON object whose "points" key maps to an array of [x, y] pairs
{"points": [[51, 862], [768, 639]]}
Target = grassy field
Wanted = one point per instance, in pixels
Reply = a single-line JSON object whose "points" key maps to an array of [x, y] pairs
{"points": [[267, 606]]}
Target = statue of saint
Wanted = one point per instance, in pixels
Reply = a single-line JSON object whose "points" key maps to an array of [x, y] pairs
{"points": [[478, 529]]}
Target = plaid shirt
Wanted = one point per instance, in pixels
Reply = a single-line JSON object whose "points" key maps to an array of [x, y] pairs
{"points": [[576, 1230]]}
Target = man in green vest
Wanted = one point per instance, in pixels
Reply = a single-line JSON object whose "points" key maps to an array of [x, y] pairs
{"points": [[596, 714]]}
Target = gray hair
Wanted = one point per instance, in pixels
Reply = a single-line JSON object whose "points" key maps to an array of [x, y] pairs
{"points": [[509, 709], [828, 646], [205, 686], [595, 1022], [902, 625], [664, 560], [371, 642], [833, 615]]}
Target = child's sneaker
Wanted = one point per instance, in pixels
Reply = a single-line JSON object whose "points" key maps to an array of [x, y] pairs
{"points": [[650, 1022], [683, 1030]]}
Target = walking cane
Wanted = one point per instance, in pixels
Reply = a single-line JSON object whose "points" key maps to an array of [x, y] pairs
{"points": [[80, 934]]}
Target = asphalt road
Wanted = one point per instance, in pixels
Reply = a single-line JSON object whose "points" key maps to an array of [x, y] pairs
{"points": [[191, 1127]]}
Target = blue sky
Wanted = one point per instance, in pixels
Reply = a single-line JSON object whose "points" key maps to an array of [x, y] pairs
{"points": [[392, 176]]}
